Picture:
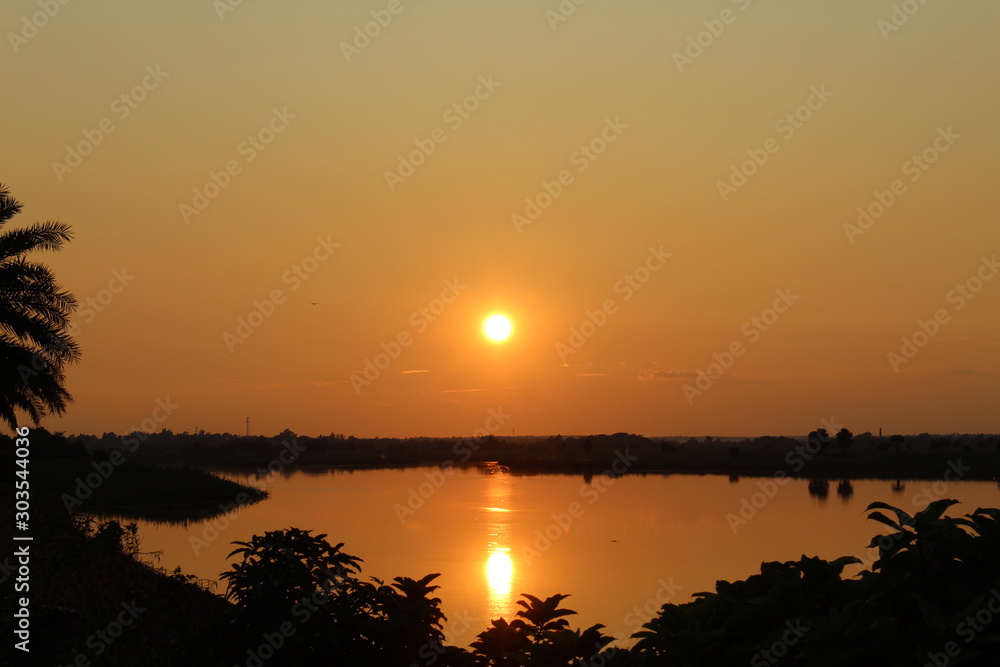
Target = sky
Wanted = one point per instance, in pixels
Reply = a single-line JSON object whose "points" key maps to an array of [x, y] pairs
{"points": [[727, 218]]}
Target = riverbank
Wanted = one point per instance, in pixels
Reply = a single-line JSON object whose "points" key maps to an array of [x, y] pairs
{"points": [[97, 599], [867, 457]]}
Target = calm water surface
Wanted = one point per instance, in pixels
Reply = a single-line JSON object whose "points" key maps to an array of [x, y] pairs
{"points": [[621, 546]]}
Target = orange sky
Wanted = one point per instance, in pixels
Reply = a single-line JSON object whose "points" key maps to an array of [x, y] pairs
{"points": [[654, 175]]}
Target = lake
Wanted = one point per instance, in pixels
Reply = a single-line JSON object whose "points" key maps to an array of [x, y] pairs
{"points": [[621, 546]]}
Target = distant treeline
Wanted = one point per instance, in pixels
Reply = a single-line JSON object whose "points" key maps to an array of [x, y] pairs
{"points": [[817, 454]]}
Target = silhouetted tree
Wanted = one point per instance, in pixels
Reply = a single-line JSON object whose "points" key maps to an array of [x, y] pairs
{"points": [[897, 441], [294, 577], [818, 440], [844, 439], [539, 636], [933, 573], [491, 445], [55, 445], [35, 344], [939, 443]]}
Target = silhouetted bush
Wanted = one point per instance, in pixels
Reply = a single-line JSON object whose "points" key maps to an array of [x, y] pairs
{"points": [[932, 576]]}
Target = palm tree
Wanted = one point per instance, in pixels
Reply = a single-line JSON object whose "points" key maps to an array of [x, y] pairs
{"points": [[35, 344]]}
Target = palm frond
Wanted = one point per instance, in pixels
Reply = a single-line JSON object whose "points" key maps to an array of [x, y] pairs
{"points": [[48, 235], [35, 339]]}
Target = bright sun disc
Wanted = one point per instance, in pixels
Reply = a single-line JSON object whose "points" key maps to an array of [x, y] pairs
{"points": [[497, 328]]}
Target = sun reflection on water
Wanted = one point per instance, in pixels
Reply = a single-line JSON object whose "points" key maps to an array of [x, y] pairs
{"points": [[499, 572], [499, 566]]}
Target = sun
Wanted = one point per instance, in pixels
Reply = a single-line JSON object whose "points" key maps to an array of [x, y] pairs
{"points": [[497, 328]]}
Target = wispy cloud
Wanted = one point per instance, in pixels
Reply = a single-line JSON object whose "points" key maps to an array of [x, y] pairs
{"points": [[222, 386], [459, 391], [591, 375], [415, 371], [645, 376]]}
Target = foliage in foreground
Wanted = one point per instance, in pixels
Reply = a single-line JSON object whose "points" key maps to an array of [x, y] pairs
{"points": [[930, 597]]}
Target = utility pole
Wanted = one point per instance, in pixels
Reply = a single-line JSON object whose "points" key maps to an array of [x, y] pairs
{"points": [[248, 427]]}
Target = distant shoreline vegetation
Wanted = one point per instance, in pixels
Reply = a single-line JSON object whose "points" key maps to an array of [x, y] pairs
{"points": [[818, 455]]}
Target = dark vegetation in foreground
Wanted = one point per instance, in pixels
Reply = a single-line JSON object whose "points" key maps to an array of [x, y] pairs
{"points": [[295, 598]]}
